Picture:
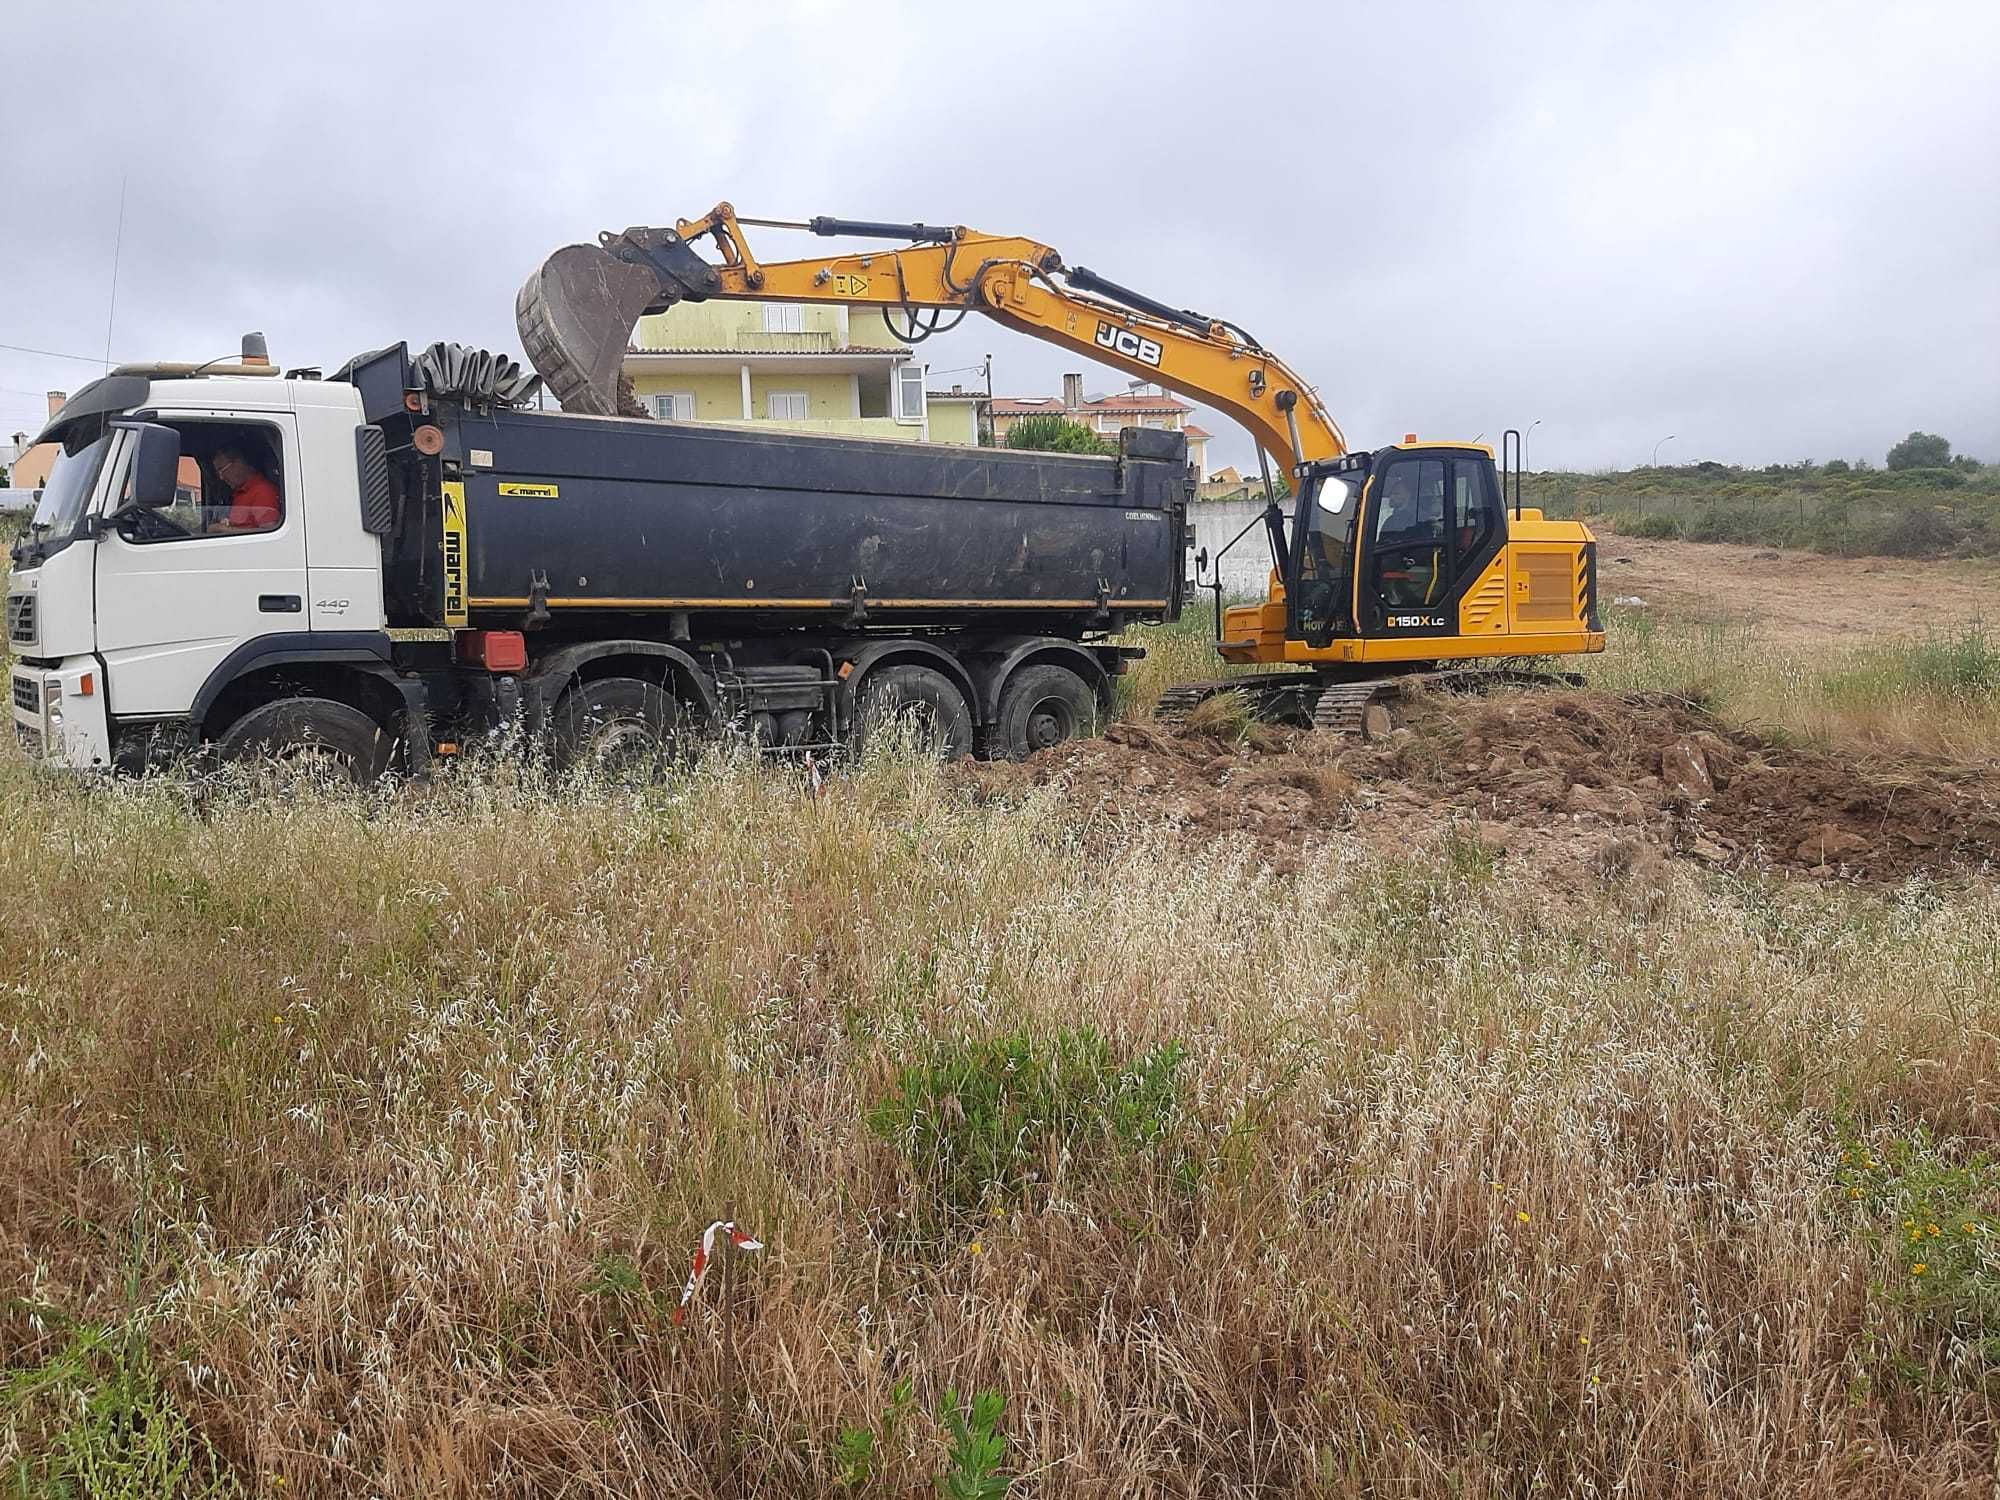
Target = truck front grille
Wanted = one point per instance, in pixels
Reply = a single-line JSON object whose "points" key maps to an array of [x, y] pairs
{"points": [[21, 619], [27, 695]]}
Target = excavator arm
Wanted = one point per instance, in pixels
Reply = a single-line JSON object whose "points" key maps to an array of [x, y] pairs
{"points": [[577, 311]]}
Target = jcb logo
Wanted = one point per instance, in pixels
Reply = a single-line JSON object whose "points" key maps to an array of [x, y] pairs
{"points": [[1124, 341]]}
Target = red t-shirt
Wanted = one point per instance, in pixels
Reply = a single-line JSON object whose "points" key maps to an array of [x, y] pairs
{"points": [[255, 503]]}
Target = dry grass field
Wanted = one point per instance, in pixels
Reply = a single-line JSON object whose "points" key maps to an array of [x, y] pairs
{"points": [[356, 1144]]}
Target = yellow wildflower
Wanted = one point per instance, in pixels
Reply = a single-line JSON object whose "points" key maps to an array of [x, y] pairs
{"points": [[977, 1247], [1932, 1230], [1521, 1214], [1583, 1339], [1919, 1268]]}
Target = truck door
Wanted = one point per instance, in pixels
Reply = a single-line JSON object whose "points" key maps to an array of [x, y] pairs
{"points": [[178, 589]]}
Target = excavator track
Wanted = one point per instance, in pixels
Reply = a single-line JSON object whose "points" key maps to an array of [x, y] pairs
{"points": [[1345, 707], [1357, 708], [1266, 690]]}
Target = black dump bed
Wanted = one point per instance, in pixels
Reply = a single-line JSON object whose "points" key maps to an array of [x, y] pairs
{"points": [[590, 514]]}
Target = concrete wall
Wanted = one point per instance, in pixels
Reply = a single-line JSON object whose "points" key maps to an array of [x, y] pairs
{"points": [[1247, 568]]}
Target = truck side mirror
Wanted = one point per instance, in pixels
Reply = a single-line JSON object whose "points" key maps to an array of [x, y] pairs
{"points": [[155, 469]]}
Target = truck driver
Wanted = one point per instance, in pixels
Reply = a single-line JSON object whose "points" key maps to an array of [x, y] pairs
{"points": [[253, 499]]}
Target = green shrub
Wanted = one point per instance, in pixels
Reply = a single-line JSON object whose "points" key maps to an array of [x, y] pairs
{"points": [[1660, 526], [1728, 523], [1920, 450], [1050, 433], [977, 1116], [1918, 533]]}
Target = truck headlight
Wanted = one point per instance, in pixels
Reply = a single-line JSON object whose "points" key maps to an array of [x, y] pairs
{"points": [[52, 703]]}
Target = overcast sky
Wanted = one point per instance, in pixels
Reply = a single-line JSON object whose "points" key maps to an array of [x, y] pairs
{"points": [[1773, 232]]}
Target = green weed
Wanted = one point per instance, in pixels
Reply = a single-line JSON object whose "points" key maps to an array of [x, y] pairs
{"points": [[1941, 1214], [97, 1421], [977, 1117], [857, 1448], [977, 1448]]}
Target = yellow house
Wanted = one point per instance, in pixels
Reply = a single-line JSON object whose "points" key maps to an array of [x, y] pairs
{"points": [[814, 368]]}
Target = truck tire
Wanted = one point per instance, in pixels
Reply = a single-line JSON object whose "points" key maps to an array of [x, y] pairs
{"points": [[922, 698], [621, 726], [1041, 706], [309, 730]]}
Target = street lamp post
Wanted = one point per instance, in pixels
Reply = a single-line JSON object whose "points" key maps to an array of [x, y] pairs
{"points": [[1656, 450]]}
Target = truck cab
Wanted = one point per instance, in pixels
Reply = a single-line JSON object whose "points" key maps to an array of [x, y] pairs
{"points": [[129, 613]]}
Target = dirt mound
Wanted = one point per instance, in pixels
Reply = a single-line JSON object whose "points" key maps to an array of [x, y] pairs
{"points": [[1580, 769]]}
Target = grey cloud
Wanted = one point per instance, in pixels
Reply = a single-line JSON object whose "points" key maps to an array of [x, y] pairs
{"points": [[1774, 233]]}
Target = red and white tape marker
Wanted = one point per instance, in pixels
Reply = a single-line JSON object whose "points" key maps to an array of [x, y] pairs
{"points": [[706, 1249]]}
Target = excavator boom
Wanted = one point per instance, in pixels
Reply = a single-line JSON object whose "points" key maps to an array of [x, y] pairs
{"points": [[576, 313]]}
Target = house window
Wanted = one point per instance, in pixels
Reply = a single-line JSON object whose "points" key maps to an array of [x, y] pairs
{"points": [[674, 406], [785, 406], [784, 317], [910, 392]]}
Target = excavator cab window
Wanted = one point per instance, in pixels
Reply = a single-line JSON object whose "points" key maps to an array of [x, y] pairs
{"points": [[1410, 562], [1323, 551]]}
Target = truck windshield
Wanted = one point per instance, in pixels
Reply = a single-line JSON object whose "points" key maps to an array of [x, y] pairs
{"points": [[67, 490]]}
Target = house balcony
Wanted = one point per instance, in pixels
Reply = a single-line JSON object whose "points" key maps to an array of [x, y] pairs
{"points": [[754, 341]]}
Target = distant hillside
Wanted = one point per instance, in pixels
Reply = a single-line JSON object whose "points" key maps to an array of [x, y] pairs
{"points": [[1849, 512]]}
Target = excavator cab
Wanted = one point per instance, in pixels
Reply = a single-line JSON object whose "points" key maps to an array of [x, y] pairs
{"points": [[1387, 545]]}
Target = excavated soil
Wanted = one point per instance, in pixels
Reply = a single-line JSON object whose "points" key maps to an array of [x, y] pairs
{"points": [[1585, 779]]}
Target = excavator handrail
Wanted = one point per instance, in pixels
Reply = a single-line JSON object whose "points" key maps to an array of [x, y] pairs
{"points": [[1020, 283]]}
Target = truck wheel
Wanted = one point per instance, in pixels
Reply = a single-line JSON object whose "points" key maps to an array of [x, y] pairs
{"points": [[1043, 706], [617, 725], [924, 700], [309, 731]]}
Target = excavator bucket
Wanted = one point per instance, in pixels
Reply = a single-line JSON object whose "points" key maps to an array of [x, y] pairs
{"points": [[576, 312], [575, 315]]}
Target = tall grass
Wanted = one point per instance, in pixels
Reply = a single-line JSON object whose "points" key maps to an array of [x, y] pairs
{"points": [[372, 1133], [1937, 694]]}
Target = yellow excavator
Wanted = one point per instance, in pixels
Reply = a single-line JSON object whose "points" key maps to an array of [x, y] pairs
{"points": [[1401, 563]]}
